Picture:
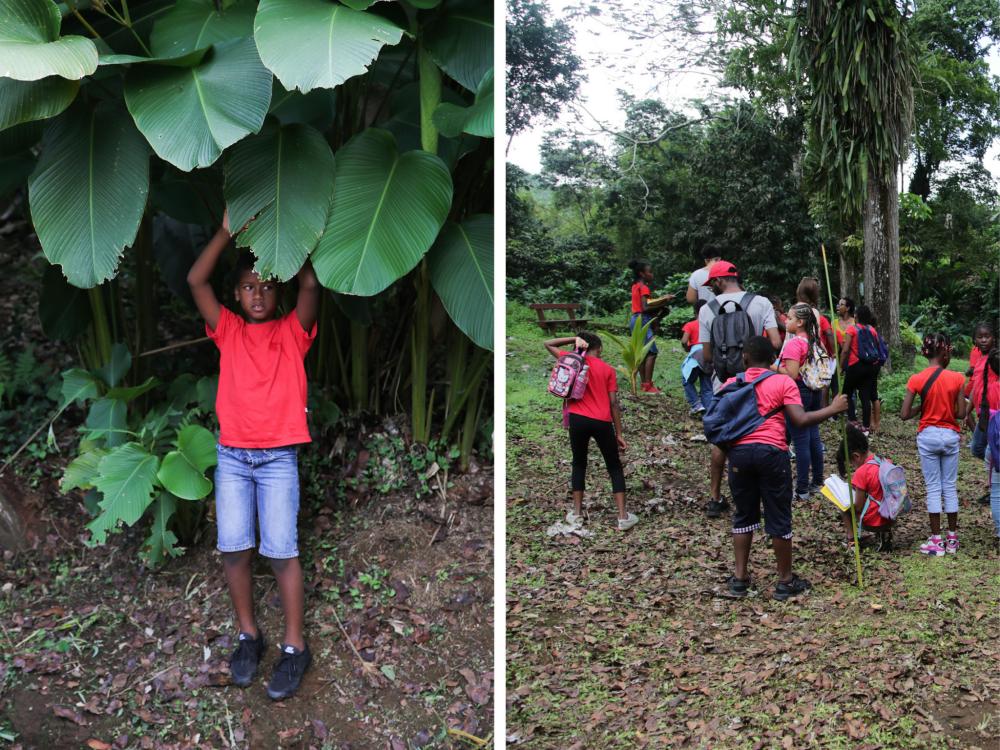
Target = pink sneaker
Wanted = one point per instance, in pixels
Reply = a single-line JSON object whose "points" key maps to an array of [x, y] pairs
{"points": [[933, 546], [951, 543]]}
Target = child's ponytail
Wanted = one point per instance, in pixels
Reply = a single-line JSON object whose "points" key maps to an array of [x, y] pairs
{"points": [[935, 345], [804, 313]]}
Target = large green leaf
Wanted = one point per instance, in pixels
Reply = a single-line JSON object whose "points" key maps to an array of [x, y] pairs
{"points": [[190, 115], [183, 470], [477, 119], [192, 24], [461, 41], [387, 209], [114, 370], [317, 108], [461, 267], [404, 106], [77, 385], [25, 101], [284, 178], [319, 44], [83, 470], [30, 47], [106, 419], [64, 309], [161, 540], [88, 192], [127, 394], [125, 479]]}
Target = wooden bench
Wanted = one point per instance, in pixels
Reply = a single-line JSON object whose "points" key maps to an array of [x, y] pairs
{"points": [[570, 322]]}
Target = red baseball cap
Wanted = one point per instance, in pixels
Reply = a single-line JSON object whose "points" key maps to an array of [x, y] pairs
{"points": [[720, 269]]}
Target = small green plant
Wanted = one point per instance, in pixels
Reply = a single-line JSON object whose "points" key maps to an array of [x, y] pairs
{"points": [[634, 351]]}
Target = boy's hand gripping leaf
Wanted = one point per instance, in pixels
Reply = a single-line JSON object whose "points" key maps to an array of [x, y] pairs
{"points": [[125, 478], [183, 470]]}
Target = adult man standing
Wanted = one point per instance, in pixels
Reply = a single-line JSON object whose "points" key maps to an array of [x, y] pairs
{"points": [[696, 284], [729, 298]]}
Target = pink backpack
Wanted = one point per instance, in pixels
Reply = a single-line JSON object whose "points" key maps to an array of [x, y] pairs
{"points": [[569, 376]]}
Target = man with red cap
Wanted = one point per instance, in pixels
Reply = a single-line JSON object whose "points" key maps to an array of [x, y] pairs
{"points": [[730, 298]]}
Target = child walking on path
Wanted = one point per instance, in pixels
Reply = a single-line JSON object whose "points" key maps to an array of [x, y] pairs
{"points": [[868, 492], [597, 415], [760, 471], [801, 346], [641, 316], [692, 370], [982, 394], [942, 408], [261, 405], [860, 372]]}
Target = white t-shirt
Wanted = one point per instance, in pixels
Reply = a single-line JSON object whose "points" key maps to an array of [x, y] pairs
{"points": [[697, 282], [760, 310]]}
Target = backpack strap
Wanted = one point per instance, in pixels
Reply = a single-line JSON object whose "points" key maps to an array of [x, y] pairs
{"points": [[748, 297], [927, 386], [764, 376], [713, 305]]}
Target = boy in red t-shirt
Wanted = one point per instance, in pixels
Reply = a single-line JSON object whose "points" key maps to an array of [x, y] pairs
{"points": [[867, 486], [261, 405]]}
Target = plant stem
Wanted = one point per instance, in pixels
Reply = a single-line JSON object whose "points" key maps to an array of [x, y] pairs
{"points": [[430, 97], [419, 344], [359, 366], [102, 333], [843, 425], [83, 21]]}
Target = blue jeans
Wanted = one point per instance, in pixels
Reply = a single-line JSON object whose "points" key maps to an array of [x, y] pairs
{"points": [[705, 383], [979, 443], [995, 498], [252, 484], [938, 448], [808, 446]]}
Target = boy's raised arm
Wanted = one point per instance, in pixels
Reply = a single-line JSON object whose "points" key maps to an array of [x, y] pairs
{"points": [[307, 303], [200, 273]]}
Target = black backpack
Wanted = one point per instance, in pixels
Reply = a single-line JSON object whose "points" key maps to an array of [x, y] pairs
{"points": [[729, 332]]}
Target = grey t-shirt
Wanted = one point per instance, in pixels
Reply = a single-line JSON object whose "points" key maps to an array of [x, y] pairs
{"points": [[761, 313], [697, 282]]}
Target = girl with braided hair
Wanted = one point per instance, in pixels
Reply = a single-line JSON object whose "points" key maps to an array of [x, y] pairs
{"points": [[941, 410]]}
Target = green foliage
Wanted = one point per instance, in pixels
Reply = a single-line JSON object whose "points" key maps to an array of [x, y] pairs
{"points": [[461, 268], [31, 48], [634, 350]]}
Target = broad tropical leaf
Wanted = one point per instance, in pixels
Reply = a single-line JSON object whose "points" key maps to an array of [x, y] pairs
{"points": [[183, 470], [284, 178], [106, 419], [88, 192], [193, 24], [475, 120], [127, 394], [189, 115], [120, 363], [63, 308], [404, 106], [317, 108], [78, 385], [461, 41], [125, 479], [318, 44], [180, 60], [82, 471], [25, 101], [30, 47], [461, 267], [161, 540], [387, 210]]}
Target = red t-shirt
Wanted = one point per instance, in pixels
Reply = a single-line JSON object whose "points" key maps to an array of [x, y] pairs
{"points": [[777, 390], [975, 356], [866, 479], [601, 380], [261, 401], [824, 327], [974, 388], [692, 331], [853, 330], [939, 409], [638, 291]]}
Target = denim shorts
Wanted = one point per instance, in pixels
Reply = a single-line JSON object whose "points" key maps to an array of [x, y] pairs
{"points": [[252, 484]]}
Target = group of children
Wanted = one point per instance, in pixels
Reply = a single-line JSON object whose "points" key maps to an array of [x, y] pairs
{"points": [[766, 389]]}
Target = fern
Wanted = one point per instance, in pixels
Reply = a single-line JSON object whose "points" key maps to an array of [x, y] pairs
{"points": [[25, 374], [6, 370]]}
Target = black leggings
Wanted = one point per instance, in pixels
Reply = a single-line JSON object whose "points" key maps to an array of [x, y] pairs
{"points": [[863, 378], [581, 430]]}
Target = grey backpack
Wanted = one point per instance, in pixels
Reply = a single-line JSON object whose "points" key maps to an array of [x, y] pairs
{"points": [[729, 332]]}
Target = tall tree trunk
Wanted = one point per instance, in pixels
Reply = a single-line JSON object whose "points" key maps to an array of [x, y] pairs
{"points": [[881, 225], [849, 271]]}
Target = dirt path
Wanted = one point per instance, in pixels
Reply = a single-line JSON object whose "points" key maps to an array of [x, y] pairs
{"points": [[618, 640]]}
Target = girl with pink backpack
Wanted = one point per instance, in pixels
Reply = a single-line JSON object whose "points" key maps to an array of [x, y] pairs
{"points": [[594, 413]]}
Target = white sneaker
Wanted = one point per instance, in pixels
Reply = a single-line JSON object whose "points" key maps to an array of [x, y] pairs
{"points": [[624, 524]]}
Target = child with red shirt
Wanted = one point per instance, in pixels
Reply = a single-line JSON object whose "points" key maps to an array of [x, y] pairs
{"points": [[760, 470], [942, 408], [868, 492], [985, 341], [641, 315], [860, 377], [598, 416], [261, 405], [692, 368]]}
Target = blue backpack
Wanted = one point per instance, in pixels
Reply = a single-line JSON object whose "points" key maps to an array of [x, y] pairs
{"points": [[993, 439], [734, 413], [872, 349]]}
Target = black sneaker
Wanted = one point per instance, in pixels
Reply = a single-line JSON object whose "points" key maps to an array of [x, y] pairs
{"points": [[243, 663], [794, 587], [715, 509], [738, 586], [288, 672]]}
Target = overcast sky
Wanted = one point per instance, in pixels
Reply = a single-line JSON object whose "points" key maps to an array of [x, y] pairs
{"points": [[612, 61]]}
